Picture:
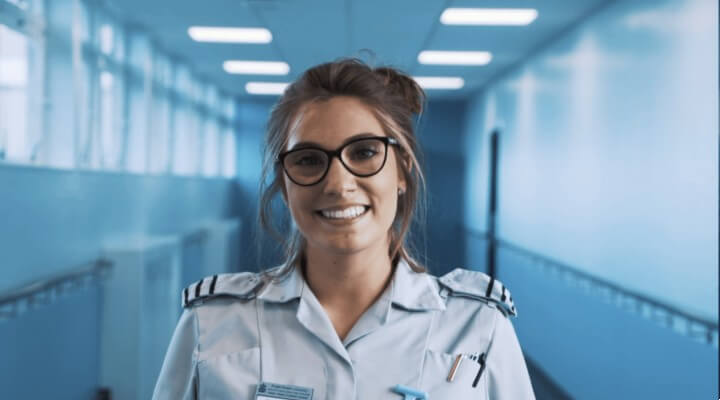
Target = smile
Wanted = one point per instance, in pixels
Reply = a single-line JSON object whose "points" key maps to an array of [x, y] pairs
{"points": [[346, 214]]}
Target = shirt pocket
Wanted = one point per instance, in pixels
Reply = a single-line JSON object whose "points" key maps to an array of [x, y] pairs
{"points": [[229, 376], [436, 370]]}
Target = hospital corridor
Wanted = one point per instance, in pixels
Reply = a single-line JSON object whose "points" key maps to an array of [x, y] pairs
{"points": [[569, 154]]}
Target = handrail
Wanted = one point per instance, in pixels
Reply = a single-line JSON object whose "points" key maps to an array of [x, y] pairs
{"points": [[42, 289], [665, 313]]}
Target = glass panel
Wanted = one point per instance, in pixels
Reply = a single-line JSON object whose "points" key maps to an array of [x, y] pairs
{"points": [[228, 153], [210, 147], [111, 110], [212, 99], [159, 135], [13, 95], [228, 108], [185, 148], [183, 80], [137, 128], [106, 39], [139, 51]]}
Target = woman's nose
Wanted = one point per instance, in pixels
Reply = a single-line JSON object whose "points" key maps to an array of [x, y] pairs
{"points": [[338, 179]]}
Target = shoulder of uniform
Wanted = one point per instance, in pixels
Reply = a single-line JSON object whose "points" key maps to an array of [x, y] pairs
{"points": [[478, 286], [241, 285]]}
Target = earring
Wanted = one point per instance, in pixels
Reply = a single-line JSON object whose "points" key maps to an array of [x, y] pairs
{"points": [[400, 192]]}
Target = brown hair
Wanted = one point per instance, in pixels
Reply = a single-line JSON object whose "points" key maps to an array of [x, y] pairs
{"points": [[393, 98]]}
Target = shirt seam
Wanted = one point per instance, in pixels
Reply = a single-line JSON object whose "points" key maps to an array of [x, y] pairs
{"points": [[196, 355]]}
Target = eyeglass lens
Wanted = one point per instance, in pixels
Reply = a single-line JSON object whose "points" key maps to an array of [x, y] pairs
{"points": [[363, 158]]}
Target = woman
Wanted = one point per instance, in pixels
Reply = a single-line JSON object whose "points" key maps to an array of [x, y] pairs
{"points": [[351, 314]]}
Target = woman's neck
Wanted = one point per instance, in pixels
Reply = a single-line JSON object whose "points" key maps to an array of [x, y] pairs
{"points": [[347, 283]]}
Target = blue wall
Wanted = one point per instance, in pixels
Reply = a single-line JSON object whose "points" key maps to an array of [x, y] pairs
{"points": [[53, 352], [440, 133], [609, 163], [595, 349], [55, 219], [609, 150]]}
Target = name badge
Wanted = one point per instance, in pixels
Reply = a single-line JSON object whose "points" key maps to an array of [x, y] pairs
{"points": [[272, 391]]}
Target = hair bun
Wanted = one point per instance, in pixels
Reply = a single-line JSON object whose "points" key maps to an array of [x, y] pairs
{"points": [[404, 86]]}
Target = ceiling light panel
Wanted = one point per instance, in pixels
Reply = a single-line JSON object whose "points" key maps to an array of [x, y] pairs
{"points": [[454, 57], [229, 35], [256, 67], [488, 16], [275, 88], [440, 82]]}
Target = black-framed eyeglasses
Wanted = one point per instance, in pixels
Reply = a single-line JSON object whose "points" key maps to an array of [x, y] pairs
{"points": [[363, 157]]}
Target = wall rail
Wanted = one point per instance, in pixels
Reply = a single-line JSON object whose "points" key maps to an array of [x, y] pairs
{"points": [[48, 289], [669, 316]]}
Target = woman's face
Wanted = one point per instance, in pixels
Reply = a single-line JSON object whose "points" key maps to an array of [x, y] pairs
{"points": [[329, 125]]}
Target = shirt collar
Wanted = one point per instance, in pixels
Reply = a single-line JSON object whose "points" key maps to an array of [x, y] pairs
{"points": [[287, 288], [415, 291]]}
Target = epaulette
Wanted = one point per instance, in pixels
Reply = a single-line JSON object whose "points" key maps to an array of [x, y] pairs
{"points": [[242, 285], [479, 286]]}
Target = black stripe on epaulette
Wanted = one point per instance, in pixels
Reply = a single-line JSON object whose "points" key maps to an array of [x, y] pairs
{"points": [[186, 295], [197, 288], [490, 287], [212, 284], [503, 297]]}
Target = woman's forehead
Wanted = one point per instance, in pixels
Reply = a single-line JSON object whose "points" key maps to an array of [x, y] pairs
{"points": [[331, 122]]}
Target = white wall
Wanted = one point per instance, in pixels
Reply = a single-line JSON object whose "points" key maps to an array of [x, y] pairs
{"points": [[609, 150]]}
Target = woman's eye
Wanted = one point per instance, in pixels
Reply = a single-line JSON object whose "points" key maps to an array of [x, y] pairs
{"points": [[364, 154], [308, 161]]}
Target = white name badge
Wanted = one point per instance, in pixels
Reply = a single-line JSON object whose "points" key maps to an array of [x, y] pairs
{"points": [[274, 391]]}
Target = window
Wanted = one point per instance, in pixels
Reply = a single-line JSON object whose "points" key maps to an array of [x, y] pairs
{"points": [[211, 141], [80, 89], [186, 132], [228, 148], [14, 143]]}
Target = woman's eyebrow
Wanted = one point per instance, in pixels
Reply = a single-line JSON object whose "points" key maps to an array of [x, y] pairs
{"points": [[310, 143]]}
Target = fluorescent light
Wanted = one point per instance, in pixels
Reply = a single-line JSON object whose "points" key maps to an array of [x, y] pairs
{"points": [[488, 16], [229, 35], [439, 82], [455, 57], [256, 67], [266, 87]]}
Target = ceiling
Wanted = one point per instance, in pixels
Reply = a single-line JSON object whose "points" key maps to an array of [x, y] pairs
{"points": [[308, 32]]}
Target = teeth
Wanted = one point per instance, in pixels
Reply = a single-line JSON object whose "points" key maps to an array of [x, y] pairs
{"points": [[348, 213]]}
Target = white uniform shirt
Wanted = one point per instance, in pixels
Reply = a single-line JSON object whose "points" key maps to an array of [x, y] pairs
{"points": [[236, 333]]}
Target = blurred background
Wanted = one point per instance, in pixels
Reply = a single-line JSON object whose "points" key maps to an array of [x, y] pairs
{"points": [[571, 149]]}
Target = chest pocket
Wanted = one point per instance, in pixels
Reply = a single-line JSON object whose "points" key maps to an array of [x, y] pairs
{"points": [[229, 376], [436, 370], [236, 376]]}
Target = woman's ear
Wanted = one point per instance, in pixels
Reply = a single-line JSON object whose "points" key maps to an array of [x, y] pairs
{"points": [[406, 166]]}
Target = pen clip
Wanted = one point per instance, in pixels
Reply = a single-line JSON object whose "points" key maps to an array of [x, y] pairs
{"points": [[481, 361]]}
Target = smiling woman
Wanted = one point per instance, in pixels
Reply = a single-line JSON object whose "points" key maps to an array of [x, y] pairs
{"points": [[350, 313]]}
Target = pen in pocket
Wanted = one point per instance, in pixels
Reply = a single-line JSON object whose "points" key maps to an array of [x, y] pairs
{"points": [[455, 366]]}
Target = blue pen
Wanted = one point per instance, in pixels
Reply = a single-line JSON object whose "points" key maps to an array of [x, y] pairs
{"points": [[410, 394]]}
